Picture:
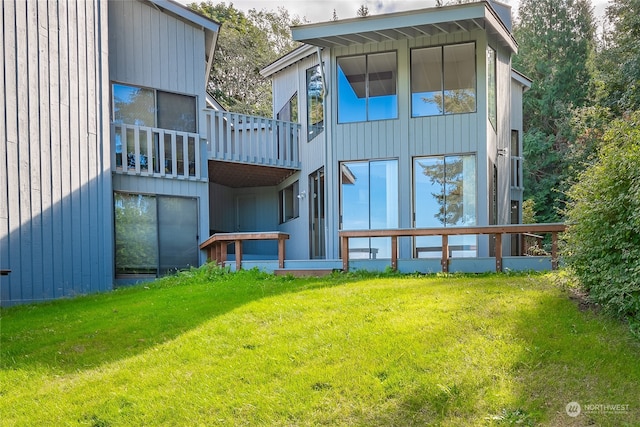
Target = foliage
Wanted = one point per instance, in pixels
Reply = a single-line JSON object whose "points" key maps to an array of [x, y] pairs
{"points": [[557, 40], [209, 347], [529, 212], [362, 11], [603, 240], [246, 44], [619, 61]]}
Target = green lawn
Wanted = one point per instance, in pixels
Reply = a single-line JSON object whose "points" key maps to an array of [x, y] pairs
{"points": [[206, 348]]}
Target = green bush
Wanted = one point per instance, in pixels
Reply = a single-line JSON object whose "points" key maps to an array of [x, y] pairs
{"points": [[603, 239]]}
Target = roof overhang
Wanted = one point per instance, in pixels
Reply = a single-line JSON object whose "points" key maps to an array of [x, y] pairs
{"points": [[521, 79], [407, 25], [301, 52]]}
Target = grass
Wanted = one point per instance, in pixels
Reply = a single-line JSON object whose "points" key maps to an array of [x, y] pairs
{"points": [[209, 348]]}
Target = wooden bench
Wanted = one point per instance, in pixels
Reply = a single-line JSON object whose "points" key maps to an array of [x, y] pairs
{"points": [[216, 245]]}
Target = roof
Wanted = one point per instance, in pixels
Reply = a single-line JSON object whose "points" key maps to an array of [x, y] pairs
{"points": [[288, 59], [523, 80], [433, 21]]}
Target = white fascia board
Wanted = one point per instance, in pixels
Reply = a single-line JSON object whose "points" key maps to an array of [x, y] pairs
{"points": [[389, 21], [521, 79], [289, 59]]}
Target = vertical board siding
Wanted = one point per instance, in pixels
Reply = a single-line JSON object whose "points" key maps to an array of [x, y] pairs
{"points": [[52, 235], [150, 48]]}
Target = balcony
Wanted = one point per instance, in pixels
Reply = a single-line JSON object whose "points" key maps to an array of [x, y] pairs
{"points": [[247, 151], [147, 151]]}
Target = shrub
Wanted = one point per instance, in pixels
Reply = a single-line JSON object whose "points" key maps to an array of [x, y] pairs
{"points": [[603, 239]]}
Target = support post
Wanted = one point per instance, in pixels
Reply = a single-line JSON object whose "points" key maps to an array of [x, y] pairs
{"points": [[445, 253], [238, 255], [345, 253], [394, 253], [281, 249], [498, 252], [554, 250]]}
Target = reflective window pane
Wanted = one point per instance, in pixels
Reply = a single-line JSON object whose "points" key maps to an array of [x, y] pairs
{"points": [[352, 89], [445, 196], [136, 249], [315, 108], [492, 87], [426, 82], [382, 73], [459, 78], [133, 105], [177, 233], [177, 112]]}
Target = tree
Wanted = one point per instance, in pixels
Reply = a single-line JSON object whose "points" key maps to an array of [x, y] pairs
{"points": [[619, 61], [363, 11], [557, 40], [603, 239], [246, 44]]}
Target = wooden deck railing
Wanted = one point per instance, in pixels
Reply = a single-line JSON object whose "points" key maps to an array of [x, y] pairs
{"points": [[216, 245], [148, 151], [497, 230], [256, 140]]}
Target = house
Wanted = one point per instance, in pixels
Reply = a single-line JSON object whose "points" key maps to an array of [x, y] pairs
{"points": [[116, 165], [409, 120]]}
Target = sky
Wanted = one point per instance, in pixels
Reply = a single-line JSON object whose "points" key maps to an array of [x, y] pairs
{"points": [[322, 10]]}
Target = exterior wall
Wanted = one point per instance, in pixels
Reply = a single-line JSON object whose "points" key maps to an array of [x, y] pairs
{"points": [[312, 153], [153, 49], [56, 224], [405, 137], [517, 124]]}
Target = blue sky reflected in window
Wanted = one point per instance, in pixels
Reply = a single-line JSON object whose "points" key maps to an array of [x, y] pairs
{"points": [[367, 87]]}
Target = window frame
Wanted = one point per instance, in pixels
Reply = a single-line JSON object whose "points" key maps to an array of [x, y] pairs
{"points": [[289, 194], [155, 92], [442, 78], [313, 130], [367, 86]]}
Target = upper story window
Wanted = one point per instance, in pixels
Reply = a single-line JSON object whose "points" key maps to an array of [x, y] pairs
{"points": [[492, 97], [154, 108], [367, 87], [315, 106], [289, 112], [443, 80]]}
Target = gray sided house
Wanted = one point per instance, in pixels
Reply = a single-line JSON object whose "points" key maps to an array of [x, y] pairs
{"points": [[414, 119], [116, 165]]}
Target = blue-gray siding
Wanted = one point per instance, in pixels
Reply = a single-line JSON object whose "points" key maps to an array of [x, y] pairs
{"points": [[55, 185]]}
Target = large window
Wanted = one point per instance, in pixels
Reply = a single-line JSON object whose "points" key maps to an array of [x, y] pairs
{"points": [[154, 234], [315, 107], [492, 96], [289, 206], [445, 196], [154, 108], [369, 200], [367, 87], [443, 80]]}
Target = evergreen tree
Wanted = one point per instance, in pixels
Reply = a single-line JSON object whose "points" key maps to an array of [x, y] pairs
{"points": [[619, 61], [556, 46]]}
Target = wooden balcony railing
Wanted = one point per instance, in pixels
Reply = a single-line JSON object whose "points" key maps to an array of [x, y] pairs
{"points": [[216, 245], [497, 230], [236, 137], [147, 151]]}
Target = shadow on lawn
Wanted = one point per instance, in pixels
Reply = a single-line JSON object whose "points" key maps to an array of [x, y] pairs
{"points": [[86, 332]]}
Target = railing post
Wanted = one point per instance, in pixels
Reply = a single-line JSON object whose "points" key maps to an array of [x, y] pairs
{"points": [[238, 255], [498, 250], [394, 253], [445, 253], [345, 253], [554, 250], [281, 253]]}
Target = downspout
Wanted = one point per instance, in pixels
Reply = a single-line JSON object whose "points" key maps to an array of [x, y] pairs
{"points": [[325, 93]]}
